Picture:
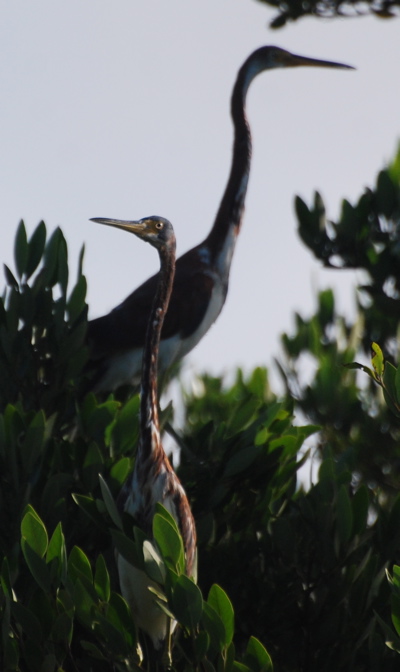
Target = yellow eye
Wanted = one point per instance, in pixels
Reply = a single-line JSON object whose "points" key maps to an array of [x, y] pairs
{"points": [[159, 225]]}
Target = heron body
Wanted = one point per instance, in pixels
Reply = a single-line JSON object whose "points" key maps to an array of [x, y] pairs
{"points": [[153, 478], [201, 281]]}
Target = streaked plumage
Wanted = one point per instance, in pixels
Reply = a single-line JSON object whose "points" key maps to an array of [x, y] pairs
{"points": [[153, 479]]}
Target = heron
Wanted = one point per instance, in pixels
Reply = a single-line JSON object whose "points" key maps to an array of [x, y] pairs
{"points": [[116, 340], [153, 478]]}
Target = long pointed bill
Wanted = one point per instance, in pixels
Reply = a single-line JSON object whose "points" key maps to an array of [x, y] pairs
{"points": [[132, 227], [293, 60]]}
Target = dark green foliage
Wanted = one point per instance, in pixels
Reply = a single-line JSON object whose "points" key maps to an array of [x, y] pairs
{"points": [[291, 10], [42, 329], [366, 238], [303, 572], [357, 426]]}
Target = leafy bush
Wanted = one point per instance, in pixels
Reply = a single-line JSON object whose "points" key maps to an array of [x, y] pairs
{"points": [[308, 573]]}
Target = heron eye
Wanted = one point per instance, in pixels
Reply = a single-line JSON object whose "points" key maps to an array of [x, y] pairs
{"points": [[159, 225]]}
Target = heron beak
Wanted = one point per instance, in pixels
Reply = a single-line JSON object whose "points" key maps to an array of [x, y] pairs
{"points": [[133, 227], [293, 60]]}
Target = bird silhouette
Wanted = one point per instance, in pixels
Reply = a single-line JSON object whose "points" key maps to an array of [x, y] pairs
{"points": [[201, 281]]}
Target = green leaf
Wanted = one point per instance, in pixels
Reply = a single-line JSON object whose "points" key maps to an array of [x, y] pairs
{"points": [[240, 667], [102, 579], [385, 194], [34, 532], [243, 415], [377, 360], [220, 602], [21, 249], [84, 604], [201, 644], [57, 552], [125, 432], [92, 649], [187, 602], [153, 563], [10, 279], [389, 387], [48, 274], [36, 248], [257, 657], [62, 274], [89, 506], [218, 599], [127, 548], [110, 503], [5, 581], [120, 470], [360, 367], [37, 566], [79, 566], [290, 444], [327, 470], [164, 513], [215, 628], [122, 615], [242, 460], [116, 627], [169, 542], [76, 302]]}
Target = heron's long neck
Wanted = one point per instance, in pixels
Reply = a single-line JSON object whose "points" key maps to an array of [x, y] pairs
{"points": [[150, 441], [229, 216]]}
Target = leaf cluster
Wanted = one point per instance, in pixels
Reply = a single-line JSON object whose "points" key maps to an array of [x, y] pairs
{"points": [[366, 238], [292, 10], [287, 572], [357, 425]]}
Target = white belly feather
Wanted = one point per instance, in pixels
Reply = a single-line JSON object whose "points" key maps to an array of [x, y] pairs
{"points": [[125, 368]]}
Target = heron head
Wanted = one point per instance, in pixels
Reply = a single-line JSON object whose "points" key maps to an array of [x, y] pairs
{"points": [[155, 230], [268, 58]]}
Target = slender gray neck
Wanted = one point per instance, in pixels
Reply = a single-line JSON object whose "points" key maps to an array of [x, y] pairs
{"points": [[150, 441]]}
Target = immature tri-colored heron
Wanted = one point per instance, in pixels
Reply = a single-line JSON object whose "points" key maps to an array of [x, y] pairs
{"points": [[116, 340], [153, 479]]}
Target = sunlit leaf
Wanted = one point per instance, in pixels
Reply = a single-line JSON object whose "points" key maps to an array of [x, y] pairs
{"points": [[153, 563], [169, 541], [257, 657], [34, 532], [79, 565], [377, 360]]}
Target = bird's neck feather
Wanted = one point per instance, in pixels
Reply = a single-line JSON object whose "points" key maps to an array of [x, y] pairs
{"points": [[229, 216], [150, 441]]}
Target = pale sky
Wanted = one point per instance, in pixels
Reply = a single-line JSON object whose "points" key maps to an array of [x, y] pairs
{"points": [[121, 109]]}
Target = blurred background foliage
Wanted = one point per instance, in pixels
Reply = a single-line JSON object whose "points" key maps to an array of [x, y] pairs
{"points": [[304, 567], [292, 10]]}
